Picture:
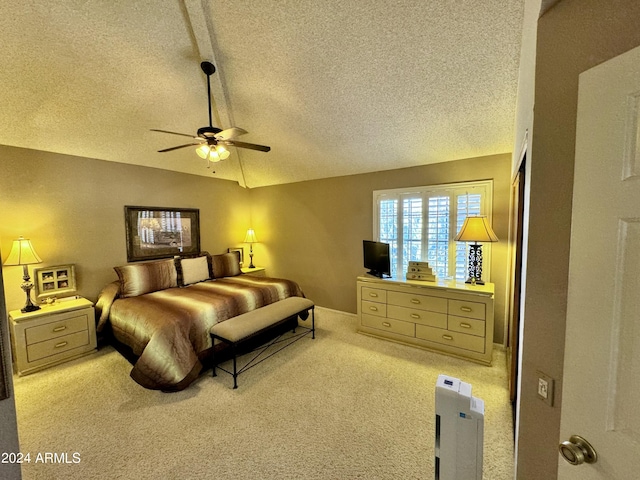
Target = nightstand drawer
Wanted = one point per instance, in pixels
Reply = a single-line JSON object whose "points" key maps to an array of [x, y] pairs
{"points": [[52, 330], [466, 325], [467, 309], [423, 317], [389, 325], [55, 346], [454, 339], [374, 295], [372, 308], [422, 302]]}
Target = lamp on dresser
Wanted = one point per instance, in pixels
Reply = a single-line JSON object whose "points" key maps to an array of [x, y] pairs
{"points": [[23, 253], [475, 229], [250, 238]]}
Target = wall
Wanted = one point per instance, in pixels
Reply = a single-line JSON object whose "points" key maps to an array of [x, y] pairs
{"points": [[572, 37], [72, 209], [312, 231]]}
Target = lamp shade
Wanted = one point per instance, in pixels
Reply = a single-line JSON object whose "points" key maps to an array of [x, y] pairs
{"points": [[476, 229], [250, 237], [22, 253]]}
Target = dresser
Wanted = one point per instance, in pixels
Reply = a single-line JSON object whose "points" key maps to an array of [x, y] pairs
{"points": [[445, 316], [54, 334]]}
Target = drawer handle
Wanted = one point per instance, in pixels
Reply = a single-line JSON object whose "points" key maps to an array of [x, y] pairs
{"points": [[61, 344], [447, 337], [465, 325], [415, 315], [466, 309], [416, 301], [60, 328], [373, 309], [374, 295], [386, 324]]}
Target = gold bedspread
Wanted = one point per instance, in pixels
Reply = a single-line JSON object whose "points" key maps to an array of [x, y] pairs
{"points": [[168, 330]]}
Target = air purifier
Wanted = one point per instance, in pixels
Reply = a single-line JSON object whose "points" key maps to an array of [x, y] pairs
{"points": [[459, 431]]}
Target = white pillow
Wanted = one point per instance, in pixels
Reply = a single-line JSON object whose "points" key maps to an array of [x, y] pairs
{"points": [[194, 270]]}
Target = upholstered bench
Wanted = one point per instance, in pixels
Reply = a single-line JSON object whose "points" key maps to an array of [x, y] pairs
{"points": [[239, 330]]}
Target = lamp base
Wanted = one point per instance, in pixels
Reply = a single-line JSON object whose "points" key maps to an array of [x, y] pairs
{"points": [[251, 265], [29, 308], [475, 265], [26, 287]]}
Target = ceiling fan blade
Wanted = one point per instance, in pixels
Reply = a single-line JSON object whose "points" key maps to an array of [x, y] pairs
{"points": [[250, 146], [230, 133], [172, 133], [179, 146]]}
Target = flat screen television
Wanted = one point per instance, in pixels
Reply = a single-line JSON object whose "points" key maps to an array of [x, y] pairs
{"points": [[376, 258]]}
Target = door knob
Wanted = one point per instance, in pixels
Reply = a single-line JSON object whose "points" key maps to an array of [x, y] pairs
{"points": [[577, 451]]}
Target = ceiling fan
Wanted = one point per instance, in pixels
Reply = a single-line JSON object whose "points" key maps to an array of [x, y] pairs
{"points": [[212, 141]]}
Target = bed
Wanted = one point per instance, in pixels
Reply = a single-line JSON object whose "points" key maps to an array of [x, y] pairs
{"points": [[163, 311]]}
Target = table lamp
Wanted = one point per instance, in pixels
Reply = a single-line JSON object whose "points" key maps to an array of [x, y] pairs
{"points": [[250, 238], [23, 253], [475, 229]]}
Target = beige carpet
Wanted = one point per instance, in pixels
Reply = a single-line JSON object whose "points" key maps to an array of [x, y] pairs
{"points": [[341, 406]]}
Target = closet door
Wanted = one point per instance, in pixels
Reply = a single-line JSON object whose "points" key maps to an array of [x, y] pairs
{"points": [[515, 229]]}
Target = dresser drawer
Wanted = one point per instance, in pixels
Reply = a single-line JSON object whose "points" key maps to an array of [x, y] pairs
{"points": [[423, 317], [467, 309], [374, 295], [55, 329], [389, 325], [421, 302], [55, 346], [372, 308], [454, 339], [466, 325]]}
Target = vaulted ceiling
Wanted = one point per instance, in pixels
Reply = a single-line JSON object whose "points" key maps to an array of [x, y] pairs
{"points": [[335, 88]]}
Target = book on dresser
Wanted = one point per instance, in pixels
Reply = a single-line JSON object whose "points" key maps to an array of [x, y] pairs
{"points": [[445, 316], [420, 271]]}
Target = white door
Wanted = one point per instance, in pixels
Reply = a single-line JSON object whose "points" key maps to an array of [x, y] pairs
{"points": [[601, 386]]}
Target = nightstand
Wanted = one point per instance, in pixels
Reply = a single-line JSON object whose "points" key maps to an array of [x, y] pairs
{"points": [[256, 271], [54, 334]]}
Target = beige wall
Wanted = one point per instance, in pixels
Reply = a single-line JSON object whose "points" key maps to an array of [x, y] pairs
{"points": [[572, 37], [312, 231], [72, 208]]}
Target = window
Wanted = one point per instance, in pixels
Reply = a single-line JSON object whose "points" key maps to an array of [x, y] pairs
{"points": [[419, 225]]}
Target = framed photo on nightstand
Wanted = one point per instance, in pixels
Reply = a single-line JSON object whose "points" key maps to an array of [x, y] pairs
{"points": [[238, 251], [59, 281]]}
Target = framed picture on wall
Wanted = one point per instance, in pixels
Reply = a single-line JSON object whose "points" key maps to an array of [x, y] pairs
{"points": [[58, 281], [161, 232]]}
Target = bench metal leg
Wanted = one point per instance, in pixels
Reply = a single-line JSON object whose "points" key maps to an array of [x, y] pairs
{"points": [[235, 369], [213, 356], [313, 322]]}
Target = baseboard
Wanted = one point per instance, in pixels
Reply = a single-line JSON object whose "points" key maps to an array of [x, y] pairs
{"points": [[339, 312]]}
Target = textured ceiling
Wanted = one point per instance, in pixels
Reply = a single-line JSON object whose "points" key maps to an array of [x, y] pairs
{"points": [[335, 87]]}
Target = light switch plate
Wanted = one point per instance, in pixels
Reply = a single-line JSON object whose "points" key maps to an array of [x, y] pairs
{"points": [[544, 386]]}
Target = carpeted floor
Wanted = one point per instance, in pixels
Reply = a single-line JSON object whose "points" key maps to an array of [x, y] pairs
{"points": [[342, 406]]}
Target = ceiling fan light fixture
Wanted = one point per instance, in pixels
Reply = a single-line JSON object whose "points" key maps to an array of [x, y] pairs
{"points": [[222, 152], [203, 151]]}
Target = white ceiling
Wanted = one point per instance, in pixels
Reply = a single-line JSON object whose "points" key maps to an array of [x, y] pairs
{"points": [[335, 87]]}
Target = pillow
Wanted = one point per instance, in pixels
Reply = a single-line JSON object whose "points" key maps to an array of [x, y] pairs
{"points": [[226, 265], [194, 270], [140, 278]]}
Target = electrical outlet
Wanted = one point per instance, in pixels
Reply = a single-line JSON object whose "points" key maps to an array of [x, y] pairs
{"points": [[545, 387]]}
